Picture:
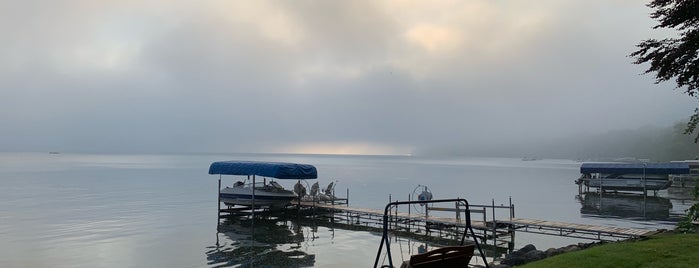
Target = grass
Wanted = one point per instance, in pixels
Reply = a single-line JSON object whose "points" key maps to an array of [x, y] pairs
{"points": [[663, 250]]}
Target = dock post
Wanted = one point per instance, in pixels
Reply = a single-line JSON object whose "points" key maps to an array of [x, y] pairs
{"points": [[253, 202], [601, 190], [427, 215], [395, 221], [512, 209], [510, 228], [456, 205], [410, 222], [389, 212], [219, 198], [580, 188], [495, 231], [347, 197], [298, 200], [645, 192]]}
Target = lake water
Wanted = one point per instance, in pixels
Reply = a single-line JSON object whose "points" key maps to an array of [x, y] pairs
{"points": [[90, 210]]}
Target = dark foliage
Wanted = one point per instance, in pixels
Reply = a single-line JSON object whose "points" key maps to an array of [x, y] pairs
{"points": [[676, 58]]}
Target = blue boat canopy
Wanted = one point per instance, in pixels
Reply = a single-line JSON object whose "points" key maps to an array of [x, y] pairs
{"points": [[287, 171], [635, 168]]}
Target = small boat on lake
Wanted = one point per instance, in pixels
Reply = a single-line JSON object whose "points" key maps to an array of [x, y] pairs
{"points": [[265, 194], [629, 176]]}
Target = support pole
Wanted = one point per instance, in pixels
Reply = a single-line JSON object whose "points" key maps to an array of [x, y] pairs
{"points": [[219, 198], [298, 199], [600, 187], [410, 223], [495, 231], [458, 215], [510, 228], [253, 196], [645, 191]]}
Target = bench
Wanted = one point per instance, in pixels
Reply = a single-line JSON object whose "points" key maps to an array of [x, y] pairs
{"points": [[454, 256]]}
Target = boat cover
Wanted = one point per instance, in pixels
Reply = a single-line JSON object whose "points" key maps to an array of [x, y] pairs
{"points": [[277, 170], [635, 168]]}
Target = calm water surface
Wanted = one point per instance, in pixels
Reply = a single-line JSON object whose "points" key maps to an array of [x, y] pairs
{"points": [[79, 210]]}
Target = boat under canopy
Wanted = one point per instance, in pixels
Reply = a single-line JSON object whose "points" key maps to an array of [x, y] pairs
{"points": [[629, 176], [278, 170], [266, 195]]}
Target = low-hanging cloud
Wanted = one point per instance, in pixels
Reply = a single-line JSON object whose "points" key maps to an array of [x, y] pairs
{"points": [[268, 76]]}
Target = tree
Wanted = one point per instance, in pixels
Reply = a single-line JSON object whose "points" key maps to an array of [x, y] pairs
{"points": [[676, 58]]}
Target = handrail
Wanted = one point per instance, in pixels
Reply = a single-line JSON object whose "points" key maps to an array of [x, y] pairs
{"points": [[467, 214]]}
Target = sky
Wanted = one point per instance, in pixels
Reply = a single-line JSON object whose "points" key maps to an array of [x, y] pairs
{"points": [[337, 77]]}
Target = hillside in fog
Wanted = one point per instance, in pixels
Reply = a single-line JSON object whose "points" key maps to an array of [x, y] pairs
{"points": [[654, 143]]}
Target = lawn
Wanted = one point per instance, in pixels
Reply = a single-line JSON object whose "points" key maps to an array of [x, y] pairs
{"points": [[663, 250]]}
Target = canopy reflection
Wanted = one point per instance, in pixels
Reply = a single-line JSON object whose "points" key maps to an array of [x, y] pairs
{"points": [[622, 205], [271, 242]]}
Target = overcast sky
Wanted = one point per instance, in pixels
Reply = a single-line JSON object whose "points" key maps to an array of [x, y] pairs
{"points": [[374, 77]]}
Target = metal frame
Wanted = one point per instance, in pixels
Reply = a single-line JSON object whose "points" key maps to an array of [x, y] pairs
{"points": [[459, 201]]}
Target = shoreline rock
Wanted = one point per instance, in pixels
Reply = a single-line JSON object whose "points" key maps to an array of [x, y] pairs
{"points": [[529, 253]]}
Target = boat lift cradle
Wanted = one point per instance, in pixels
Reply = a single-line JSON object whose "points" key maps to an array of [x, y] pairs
{"points": [[438, 257]]}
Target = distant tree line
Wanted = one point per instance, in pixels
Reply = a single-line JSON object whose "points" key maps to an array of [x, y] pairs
{"points": [[658, 144]]}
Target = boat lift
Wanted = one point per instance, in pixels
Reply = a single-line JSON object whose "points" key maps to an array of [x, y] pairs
{"points": [[441, 257], [278, 170]]}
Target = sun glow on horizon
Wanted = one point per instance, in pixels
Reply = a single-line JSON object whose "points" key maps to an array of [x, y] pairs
{"points": [[346, 149]]}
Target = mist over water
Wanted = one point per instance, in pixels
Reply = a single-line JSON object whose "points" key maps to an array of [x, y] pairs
{"points": [[160, 210]]}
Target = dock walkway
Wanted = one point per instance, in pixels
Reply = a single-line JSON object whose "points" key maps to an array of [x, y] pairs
{"points": [[395, 215], [498, 228], [585, 231]]}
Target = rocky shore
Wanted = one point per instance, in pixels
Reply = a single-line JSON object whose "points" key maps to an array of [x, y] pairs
{"points": [[529, 253]]}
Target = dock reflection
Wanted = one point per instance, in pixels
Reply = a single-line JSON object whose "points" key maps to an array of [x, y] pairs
{"points": [[272, 242], [623, 205]]}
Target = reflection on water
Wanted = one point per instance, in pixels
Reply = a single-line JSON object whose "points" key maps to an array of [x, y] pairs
{"points": [[623, 205], [271, 242], [292, 241], [78, 210]]}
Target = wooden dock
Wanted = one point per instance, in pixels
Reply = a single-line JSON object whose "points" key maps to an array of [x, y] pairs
{"points": [[585, 231], [493, 226], [493, 229]]}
